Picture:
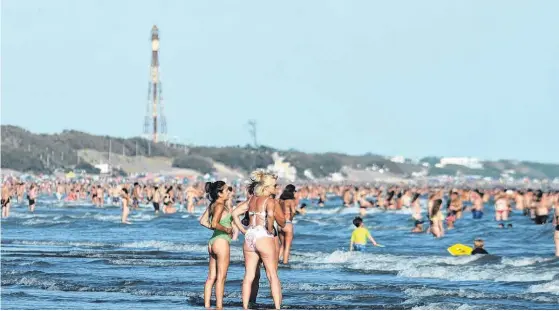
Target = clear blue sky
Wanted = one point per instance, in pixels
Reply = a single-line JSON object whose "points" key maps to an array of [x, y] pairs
{"points": [[413, 78]]}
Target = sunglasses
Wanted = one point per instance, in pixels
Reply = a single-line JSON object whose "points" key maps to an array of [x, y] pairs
{"points": [[230, 188]]}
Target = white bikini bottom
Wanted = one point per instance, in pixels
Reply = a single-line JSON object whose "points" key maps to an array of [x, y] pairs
{"points": [[253, 234]]}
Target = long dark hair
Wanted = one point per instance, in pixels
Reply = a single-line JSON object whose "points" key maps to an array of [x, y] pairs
{"points": [[251, 186], [436, 207], [213, 189], [250, 190], [390, 195], [415, 197], [288, 193]]}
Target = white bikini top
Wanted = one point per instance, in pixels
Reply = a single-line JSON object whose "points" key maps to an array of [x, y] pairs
{"points": [[262, 214]]}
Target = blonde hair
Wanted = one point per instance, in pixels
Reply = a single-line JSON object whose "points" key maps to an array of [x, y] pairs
{"points": [[264, 181], [478, 243]]}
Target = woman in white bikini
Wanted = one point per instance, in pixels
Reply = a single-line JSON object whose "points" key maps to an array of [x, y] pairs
{"points": [[259, 239]]}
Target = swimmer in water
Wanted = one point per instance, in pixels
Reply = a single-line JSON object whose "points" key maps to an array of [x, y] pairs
{"points": [[359, 236], [416, 207], [477, 209], [125, 203], [418, 227], [556, 222], [437, 218], [168, 202], [5, 201], [501, 207], [301, 210], [478, 248], [32, 196], [287, 202]]}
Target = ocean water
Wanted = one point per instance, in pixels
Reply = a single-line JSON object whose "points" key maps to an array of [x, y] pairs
{"points": [[81, 257]]}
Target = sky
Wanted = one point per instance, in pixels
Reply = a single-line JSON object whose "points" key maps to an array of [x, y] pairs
{"points": [[413, 78]]}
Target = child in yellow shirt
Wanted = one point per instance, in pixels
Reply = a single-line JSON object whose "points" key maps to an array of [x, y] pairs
{"points": [[359, 236]]}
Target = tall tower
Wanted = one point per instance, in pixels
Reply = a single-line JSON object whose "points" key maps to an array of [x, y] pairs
{"points": [[155, 124]]}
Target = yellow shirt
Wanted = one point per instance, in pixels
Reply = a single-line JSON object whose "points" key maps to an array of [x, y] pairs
{"points": [[360, 235]]}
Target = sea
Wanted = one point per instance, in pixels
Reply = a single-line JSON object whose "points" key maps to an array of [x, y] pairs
{"points": [[76, 256]]}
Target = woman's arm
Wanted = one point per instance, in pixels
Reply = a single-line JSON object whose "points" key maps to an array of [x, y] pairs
{"points": [[293, 207], [218, 210], [204, 219], [270, 207], [237, 212], [278, 214]]}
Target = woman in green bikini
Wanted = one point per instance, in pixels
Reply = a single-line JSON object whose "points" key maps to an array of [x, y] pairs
{"points": [[218, 246]]}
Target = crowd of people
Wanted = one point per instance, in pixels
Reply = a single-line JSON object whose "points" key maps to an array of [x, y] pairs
{"points": [[263, 212]]}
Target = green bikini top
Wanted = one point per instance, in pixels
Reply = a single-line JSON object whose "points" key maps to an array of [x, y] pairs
{"points": [[226, 221]]}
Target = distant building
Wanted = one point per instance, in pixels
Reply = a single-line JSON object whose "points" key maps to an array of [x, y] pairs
{"points": [[104, 168], [398, 159], [337, 177], [472, 163], [422, 173]]}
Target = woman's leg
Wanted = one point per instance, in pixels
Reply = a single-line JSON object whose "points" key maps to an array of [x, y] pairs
{"points": [[497, 216], [267, 251], [124, 217], [281, 236], [220, 248], [212, 274], [286, 245], [255, 285], [251, 264], [556, 235]]}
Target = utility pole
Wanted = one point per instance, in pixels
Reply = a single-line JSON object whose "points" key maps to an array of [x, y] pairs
{"points": [[252, 132], [110, 147]]}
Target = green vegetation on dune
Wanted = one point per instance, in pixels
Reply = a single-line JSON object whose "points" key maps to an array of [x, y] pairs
{"points": [[22, 161], [194, 162], [245, 159], [42, 153], [549, 170]]}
